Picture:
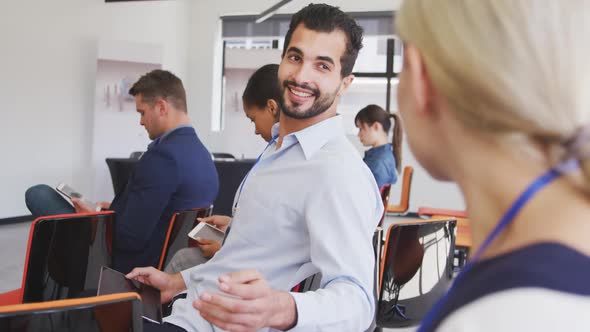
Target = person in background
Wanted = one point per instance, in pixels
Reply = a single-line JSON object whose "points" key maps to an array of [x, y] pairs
{"points": [[383, 158], [261, 104], [261, 100], [495, 96], [175, 173]]}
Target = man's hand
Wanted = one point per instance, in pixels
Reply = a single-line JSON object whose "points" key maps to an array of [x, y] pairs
{"points": [[208, 247], [81, 207], [249, 306], [168, 284], [220, 222]]}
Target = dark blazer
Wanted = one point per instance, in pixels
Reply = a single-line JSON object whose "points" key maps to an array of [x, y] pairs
{"points": [[176, 173]]}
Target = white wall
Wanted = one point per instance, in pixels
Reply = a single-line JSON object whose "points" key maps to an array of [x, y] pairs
{"points": [[48, 65]]}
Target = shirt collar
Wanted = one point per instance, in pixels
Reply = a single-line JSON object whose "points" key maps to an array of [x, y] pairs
{"points": [[314, 137], [166, 134]]}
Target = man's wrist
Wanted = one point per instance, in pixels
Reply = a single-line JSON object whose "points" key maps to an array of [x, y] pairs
{"points": [[285, 317], [177, 283]]}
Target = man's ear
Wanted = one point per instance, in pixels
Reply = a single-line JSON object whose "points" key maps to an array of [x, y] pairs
{"points": [[162, 106], [346, 82], [421, 86]]}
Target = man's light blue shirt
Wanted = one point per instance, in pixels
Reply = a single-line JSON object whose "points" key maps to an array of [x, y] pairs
{"points": [[311, 205]]}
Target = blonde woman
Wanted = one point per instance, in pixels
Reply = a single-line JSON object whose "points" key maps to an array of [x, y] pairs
{"points": [[495, 96]]}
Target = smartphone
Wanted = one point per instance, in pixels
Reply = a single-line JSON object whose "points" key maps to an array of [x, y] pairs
{"points": [[204, 230], [112, 282], [70, 193]]}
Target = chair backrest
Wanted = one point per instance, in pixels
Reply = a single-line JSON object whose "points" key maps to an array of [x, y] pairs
{"points": [[384, 190], [416, 270], [222, 155], [404, 203], [64, 255], [231, 174], [136, 154], [121, 170], [177, 235], [117, 313]]}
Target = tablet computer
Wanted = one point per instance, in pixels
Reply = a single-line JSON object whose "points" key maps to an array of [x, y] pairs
{"points": [[111, 282], [70, 193]]}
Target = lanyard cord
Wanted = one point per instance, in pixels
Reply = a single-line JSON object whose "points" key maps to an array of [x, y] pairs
{"points": [[539, 183]]}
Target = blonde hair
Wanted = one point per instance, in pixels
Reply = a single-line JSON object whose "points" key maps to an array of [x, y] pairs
{"points": [[507, 66]]}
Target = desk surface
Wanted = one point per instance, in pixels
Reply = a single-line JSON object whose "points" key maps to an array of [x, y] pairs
{"points": [[463, 239]]}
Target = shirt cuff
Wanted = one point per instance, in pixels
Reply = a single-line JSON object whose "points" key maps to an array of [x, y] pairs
{"points": [[306, 320], [186, 276]]}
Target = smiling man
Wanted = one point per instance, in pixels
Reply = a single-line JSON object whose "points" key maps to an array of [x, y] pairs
{"points": [[294, 215]]}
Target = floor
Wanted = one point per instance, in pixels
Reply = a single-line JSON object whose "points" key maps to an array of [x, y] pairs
{"points": [[13, 241]]}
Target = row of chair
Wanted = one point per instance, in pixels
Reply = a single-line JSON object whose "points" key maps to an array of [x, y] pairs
{"points": [[415, 268], [65, 253]]}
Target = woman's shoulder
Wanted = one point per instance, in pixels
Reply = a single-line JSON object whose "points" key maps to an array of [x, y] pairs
{"points": [[522, 309], [545, 270], [546, 265]]}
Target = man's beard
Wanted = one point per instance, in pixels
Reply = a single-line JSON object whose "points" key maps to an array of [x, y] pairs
{"points": [[321, 103]]}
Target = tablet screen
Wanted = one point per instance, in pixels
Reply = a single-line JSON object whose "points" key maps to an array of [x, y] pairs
{"points": [[112, 282]]}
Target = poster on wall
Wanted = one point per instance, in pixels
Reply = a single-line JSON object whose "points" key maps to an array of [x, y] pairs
{"points": [[117, 132]]}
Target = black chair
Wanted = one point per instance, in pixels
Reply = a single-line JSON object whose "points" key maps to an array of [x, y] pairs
{"points": [[121, 170], [231, 174], [416, 270], [177, 235], [114, 313], [64, 256], [136, 155], [222, 155]]}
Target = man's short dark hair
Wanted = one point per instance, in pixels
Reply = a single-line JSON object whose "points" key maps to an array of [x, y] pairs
{"points": [[160, 84], [326, 18]]}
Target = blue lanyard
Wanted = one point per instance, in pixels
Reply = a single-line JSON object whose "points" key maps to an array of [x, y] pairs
{"points": [[272, 141], [539, 183]]}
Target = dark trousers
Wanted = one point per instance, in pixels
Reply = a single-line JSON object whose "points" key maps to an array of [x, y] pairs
{"points": [[164, 327]]}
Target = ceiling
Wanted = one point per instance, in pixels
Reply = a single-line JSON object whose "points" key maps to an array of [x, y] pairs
{"points": [[346, 5], [255, 7]]}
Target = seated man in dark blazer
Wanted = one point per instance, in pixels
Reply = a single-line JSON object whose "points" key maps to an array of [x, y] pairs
{"points": [[176, 173]]}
